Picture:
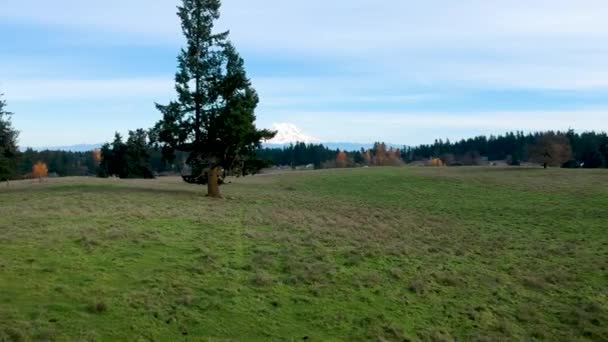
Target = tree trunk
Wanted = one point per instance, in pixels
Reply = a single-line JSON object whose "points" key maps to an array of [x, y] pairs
{"points": [[213, 186], [545, 165]]}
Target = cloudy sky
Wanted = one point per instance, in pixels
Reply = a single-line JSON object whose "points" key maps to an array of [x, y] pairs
{"points": [[401, 71]]}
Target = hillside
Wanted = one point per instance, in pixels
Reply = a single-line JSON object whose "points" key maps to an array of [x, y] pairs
{"points": [[361, 254]]}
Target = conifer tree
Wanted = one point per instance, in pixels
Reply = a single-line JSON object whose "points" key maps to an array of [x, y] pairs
{"points": [[8, 144], [127, 160], [137, 155], [213, 119]]}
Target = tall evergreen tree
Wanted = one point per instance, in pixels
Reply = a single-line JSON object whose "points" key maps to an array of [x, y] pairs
{"points": [[107, 157], [213, 119], [127, 160], [118, 163], [604, 151], [8, 144], [137, 155]]}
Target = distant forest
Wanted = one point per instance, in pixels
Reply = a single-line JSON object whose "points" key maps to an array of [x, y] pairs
{"points": [[567, 149]]}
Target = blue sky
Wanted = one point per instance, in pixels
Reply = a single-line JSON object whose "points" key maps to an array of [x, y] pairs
{"points": [[401, 71]]}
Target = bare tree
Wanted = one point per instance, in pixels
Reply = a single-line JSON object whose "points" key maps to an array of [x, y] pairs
{"points": [[550, 150]]}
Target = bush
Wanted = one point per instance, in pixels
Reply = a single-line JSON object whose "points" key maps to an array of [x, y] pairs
{"points": [[571, 164]]}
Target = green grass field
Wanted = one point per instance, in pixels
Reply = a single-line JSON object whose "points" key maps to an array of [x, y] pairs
{"points": [[367, 254]]}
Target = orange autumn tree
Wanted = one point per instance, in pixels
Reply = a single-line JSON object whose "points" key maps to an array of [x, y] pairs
{"points": [[40, 170], [342, 159], [97, 156], [380, 155], [436, 162]]}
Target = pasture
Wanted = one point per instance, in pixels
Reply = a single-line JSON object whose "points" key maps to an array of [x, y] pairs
{"points": [[361, 254]]}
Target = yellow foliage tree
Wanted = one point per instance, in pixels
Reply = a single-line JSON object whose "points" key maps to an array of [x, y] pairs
{"points": [[436, 162], [40, 170]]}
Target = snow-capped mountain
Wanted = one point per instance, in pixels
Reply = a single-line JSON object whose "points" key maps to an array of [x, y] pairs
{"points": [[288, 133]]}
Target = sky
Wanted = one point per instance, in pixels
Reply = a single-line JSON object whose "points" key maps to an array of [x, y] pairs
{"points": [[400, 71]]}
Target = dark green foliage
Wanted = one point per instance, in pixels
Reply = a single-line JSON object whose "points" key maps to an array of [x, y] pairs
{"points": [[137, 156], [587, 148], [513, 160], [113, 161], [590, 149], [592, 160], [571, 164], [298, 154], [512, 147], [127, 160], [251, 167], [604, 152], [60, 163], [8, 144], [69, 164], [65, 163], [213, 119], [106, 166]]}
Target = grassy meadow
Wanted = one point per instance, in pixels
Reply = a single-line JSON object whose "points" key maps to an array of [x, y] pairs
{"points": [[389, 254]]}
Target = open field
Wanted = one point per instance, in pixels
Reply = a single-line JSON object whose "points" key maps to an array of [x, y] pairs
{"points": [[367, 254]]}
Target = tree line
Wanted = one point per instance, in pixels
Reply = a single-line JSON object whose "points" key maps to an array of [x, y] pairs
{"points": [[569, 149], [140, 157], [130, 159], [561, 149], [297, 154]]}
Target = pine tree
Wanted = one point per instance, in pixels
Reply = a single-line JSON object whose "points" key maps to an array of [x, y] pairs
{"points": [[604, 151], [8, 144], [118, 165], [127, 160], [105, 165], [213, 119], [137, 156]]}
